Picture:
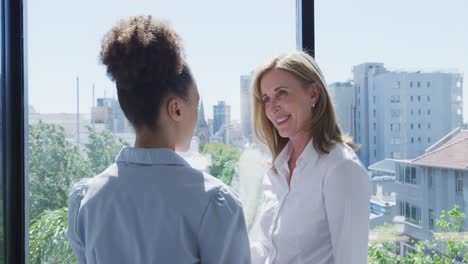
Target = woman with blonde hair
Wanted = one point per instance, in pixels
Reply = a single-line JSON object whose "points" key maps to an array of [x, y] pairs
{"points": [[316, 195]]}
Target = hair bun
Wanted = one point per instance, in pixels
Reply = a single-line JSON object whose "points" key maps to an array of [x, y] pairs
{"points": [[141, 46]]}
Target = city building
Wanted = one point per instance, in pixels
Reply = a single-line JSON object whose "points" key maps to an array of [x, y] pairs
{"points": [[221, 121], [433, 182], [400, 114], [342, 94], [246, 107]]}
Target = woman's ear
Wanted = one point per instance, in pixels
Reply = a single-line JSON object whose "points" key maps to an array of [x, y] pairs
{"points": [[174, 108], [314, 89]]}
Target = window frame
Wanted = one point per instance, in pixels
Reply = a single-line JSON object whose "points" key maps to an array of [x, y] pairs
{"points": [[14, 130]]}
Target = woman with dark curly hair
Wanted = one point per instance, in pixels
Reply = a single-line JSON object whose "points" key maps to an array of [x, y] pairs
{"points": [[150, 206]]}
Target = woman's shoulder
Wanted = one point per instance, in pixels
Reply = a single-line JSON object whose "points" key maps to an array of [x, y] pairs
{"points": [[341, 152], [219, 191]]}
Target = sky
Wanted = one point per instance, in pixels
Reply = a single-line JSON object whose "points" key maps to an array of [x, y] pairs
{"points": [[226, 39]]}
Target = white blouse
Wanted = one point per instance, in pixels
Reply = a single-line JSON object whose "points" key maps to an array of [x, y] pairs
{"points": [[322, 216]]}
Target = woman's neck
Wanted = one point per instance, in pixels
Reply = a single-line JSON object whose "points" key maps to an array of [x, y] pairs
{"points": [[149, 138], [299, 143]]}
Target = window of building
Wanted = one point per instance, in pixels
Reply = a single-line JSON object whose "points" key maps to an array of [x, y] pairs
{"points": [[375, 140], [429, 177], [458, 181], [411, 84], [419, 98], [412, 140], [428, 98], [411, 126], [391, 127], [428, 140], [428, 84], [411, 98], [419, 111], [374, 112], [431, 219], [428, 125], [428, 111], [419, 126], [375, 126], [419, 139]]}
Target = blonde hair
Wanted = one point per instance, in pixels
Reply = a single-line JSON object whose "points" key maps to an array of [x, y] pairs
{"points": [[324, 127]]}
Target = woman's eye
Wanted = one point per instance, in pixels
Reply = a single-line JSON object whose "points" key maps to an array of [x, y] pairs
{"points": [[281, 92], [265, 100]]}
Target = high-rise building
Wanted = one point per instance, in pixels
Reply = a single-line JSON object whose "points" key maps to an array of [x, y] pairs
{"points": [[400, 114], [342, 94], [246, 106], [221, 120]]}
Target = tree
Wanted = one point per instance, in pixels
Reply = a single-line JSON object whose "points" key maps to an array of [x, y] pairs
{"points": [[54, 166], [456, 250], [47, 238], [102, 149], [224, 159]]}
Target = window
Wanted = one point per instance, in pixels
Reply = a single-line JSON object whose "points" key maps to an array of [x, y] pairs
{"points": [[411, 125], [428, 84], [391, 127], [375, 140], [428, 98], [431, 219], [375, 126], [428, 111], [419, 98], [373, 99], [411, 212], [374, 113], [419, 84], [411, 84], [428, 140], [411, 98], [419, 139], [412, 140], [419, 126], [458, 181], [429, 177], [428, 125], [219, 30], [412, 111], [419, 111]]}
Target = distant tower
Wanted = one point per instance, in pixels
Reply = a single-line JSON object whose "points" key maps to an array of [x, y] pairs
{"points": [[202, 131]]}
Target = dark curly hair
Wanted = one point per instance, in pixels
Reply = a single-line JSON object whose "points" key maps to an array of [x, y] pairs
{"points": [[144, 57]]}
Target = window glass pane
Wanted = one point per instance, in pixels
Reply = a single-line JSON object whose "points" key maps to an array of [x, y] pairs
{"points": [[77, 125], [393, 50]]}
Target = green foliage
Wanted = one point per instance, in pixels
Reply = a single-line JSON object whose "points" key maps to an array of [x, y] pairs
{"points": [[425, 252], [47, 238], [224, 159], [101, 149], [54, 166]]}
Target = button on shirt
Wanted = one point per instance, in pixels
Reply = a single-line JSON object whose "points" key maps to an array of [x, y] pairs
{"points": [[152, 207], [322, 216]]}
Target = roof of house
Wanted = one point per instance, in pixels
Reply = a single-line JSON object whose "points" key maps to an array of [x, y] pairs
{"points": [[452, 153]]}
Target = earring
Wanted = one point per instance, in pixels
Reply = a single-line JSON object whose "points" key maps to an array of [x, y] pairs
{"points": [[313, 105]]}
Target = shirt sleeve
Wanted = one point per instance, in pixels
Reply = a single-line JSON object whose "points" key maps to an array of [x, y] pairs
{"points": [[347, 193], [223, 234], [259, 248], [74, 203]]}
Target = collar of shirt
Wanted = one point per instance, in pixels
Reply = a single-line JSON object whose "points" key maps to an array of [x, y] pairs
{"points": [[150, 156], [308, 156]]}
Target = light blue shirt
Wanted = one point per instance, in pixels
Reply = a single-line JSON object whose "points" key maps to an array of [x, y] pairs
{"points": [[152, 207]]}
